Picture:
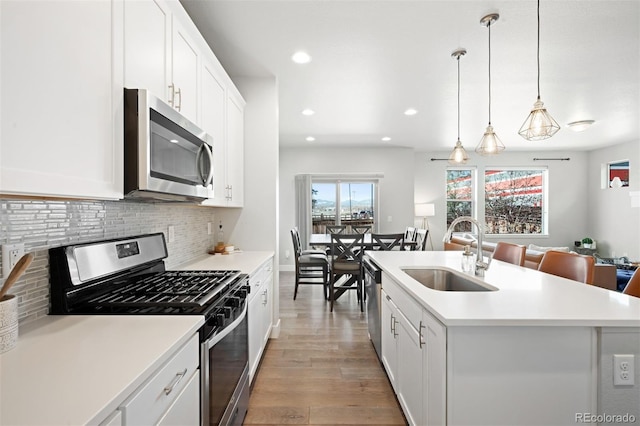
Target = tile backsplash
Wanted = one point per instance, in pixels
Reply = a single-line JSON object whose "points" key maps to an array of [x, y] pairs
{"points": [[42, 224]]}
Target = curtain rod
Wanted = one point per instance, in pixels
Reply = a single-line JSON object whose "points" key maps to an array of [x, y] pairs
{"points": [[439, 159], [552, 159]]}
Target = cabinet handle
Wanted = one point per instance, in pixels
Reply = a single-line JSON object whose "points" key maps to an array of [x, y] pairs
{"points": [[393, 326], [179, 93], [420, 339], [172, 95], [169, 388], [230, 192], [264, 294]]}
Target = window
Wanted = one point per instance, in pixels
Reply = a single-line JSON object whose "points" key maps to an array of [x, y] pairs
{"points": [[515, 201], [460, 196], [337, 202], [618, 175]]}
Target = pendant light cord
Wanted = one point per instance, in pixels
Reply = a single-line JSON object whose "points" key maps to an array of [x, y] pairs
{"points": [[489, 27], [538, 56], [458, 97]]}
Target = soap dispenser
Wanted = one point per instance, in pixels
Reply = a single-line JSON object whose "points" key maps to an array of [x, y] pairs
{"points": [[468, 259], [220, 235]]}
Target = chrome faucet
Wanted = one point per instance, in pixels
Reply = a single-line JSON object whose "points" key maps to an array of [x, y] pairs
{"points": [[481, 265]]}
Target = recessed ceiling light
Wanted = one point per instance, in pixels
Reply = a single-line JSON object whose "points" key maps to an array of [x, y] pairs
{"points": [[173, 140], [301, 57], [308, 111], [386, 139], [310, 139], [579, 126], [411, 111]]}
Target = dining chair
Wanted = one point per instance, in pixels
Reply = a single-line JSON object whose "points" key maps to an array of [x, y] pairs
{"points": [[361, 229], [336, 229], [310, 268], [346, 259], [420, 240], [305, 251], [510, 253], [575, 267], [633, 286], [410, 233], [386, 242]]}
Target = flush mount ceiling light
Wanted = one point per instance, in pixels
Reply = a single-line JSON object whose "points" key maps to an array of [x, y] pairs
{"points": [[308, 112], [490, 144], [539, 125], [301, 57], [386, 139], [580, 126], [458, 155], [411, 111], [310, 139]]}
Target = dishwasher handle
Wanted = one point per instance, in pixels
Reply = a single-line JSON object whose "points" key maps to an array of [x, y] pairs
{"points": [[372, 270]]}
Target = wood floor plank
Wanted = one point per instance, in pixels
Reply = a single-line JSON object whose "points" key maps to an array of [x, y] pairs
{"points": [[322, 369]]}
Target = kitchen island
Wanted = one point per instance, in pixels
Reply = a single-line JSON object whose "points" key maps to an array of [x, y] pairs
{"points": [[534, 349]]}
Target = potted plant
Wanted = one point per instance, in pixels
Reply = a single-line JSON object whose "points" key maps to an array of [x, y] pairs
{"points": [[587, 242]]}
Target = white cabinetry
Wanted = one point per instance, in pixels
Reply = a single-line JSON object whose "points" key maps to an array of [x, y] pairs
{"points": [[61, 99], [172, 395], [260, 313], [414, 356], [235, 150], [161, 54]]}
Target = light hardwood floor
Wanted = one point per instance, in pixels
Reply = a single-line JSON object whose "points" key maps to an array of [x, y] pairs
{"points": [[322, 370]]}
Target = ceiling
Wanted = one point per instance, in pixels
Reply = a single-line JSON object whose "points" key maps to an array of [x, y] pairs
{"points": [[371, 60]]}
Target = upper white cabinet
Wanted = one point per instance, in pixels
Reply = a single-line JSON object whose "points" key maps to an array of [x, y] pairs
{"points": [[62, 99], [235, 150], [161, 54]]}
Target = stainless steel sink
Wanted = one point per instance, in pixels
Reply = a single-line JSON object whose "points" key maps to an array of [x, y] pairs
{"points": [[443, 280]]}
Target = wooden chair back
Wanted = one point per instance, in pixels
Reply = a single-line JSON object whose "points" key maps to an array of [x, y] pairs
{"points": [[410, 233], [385, 242], [335, 229], [361, 229], [575, 267], [421, 239], [633, 286], [510, 253], [346, 248]]}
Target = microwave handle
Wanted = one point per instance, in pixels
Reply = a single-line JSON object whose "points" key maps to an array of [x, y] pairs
{"points": [[209, 177]]}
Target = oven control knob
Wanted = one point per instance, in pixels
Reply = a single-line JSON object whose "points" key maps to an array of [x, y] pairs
{"points": [[242, 294], [227, 312], [220, 319], [247, 288], [233, 301]]}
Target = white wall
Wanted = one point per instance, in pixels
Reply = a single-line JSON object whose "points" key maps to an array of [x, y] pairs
{"points": [[612, 221], [568, 207], [395, 188]]}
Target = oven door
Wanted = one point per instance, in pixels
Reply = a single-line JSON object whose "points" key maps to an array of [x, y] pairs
{"points": [[225, 374]]}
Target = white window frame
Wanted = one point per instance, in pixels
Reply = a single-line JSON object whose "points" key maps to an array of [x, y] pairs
{"points": [[474, 190]]}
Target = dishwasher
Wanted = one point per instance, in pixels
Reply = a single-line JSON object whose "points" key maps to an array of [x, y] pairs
{"points": [[373, 287]]}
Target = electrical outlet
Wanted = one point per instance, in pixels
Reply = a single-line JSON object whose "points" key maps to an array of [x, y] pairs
{"points": [[172, 233], [11, 253], [623, 370]]}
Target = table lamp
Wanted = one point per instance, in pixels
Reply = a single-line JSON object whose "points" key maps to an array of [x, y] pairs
{"points": [[425, 210]]}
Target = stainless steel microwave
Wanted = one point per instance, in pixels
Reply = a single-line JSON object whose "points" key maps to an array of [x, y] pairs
{"points": [[166, 156]]}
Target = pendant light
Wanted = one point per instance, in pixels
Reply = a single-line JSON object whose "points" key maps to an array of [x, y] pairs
{"points": [[458, 155], [539, 125], [490, 144]]}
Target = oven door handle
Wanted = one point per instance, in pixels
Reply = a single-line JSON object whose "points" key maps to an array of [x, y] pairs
{"points": [[216, 338]]}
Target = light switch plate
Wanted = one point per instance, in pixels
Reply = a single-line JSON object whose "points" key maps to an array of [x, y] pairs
{"points": [[623, 370]]}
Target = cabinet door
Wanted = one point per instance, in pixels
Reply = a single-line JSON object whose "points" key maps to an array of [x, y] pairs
{"points": [[434, 337], [62, 97], [185, 410], [389, 333], [255, 335], [213, 122], [184, 65], [235, 151], [409, 370], [267, 307], [147, 47]]}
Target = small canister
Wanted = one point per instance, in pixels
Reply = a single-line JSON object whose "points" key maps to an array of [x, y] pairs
{"points": [[8, 322], [468, 260]]}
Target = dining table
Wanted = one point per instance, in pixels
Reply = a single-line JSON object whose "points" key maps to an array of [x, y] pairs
{"points": [[324, 240]]}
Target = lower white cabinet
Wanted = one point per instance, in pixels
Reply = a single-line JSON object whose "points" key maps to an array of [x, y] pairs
{"points": [[414, 356], [260, 313], [172, 395]]}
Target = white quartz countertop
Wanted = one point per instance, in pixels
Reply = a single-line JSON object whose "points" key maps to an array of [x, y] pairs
{"points": [[247, 262], [76, 370], [524, 296]]}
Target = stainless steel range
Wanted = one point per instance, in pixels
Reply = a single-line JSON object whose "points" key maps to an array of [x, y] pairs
{"points": [[128, 276]]}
